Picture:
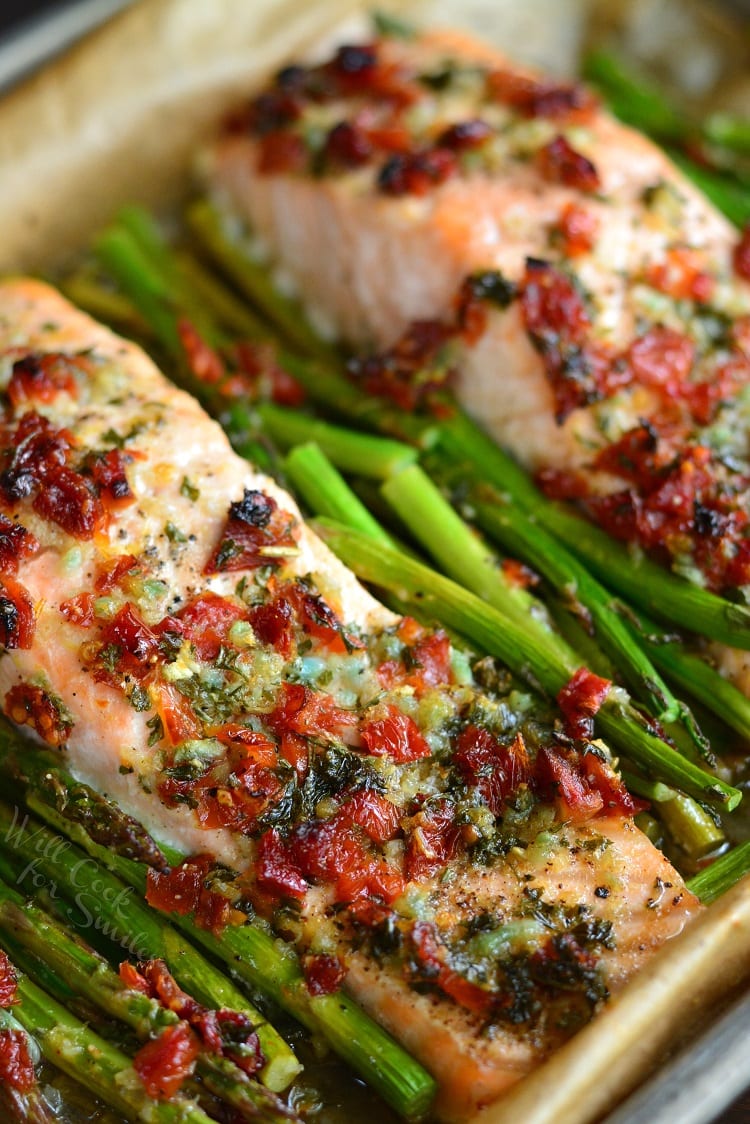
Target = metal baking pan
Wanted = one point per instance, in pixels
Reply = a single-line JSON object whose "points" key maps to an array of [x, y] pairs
{"points": [[697, 1084]]}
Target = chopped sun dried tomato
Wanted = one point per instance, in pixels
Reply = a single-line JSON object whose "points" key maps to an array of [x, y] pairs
{"points": [[28, 705], [558, 324], [276, 871], [16, 545], [395, 736], [16, 1066], [580, 700], [404, 372], [465, 135], [347, 146], [433, 840], [132, 978], [378, 817], [166, 1062], [183, 889], [416, 173], [561, 777], [283, 153], [496, 770], [206, 621], [176, 714], [128, 632], [17, 621], [204, 362], [323, 974], [79, 609], [602, 777], [273, 623], [8, 981], [40, 378], [113, 573], [681, 276], [559, 162], [535, 97], [108, 473], [68, 500], [577, 229], [431, 956], [257, 533]]}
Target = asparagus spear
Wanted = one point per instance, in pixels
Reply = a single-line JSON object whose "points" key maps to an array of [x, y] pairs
{"points": [[251, 277], [496, 634], [722, 874], [266, 965], [95, 1063], [70, 966], [325, 491], [349, 450], [91, 892]]}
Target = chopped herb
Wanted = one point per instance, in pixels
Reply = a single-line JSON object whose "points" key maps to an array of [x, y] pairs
{"points": [[173, 533], [110, 657], [228, 550], [390, 27], [156, 726], [139, 698], [189, 490]]}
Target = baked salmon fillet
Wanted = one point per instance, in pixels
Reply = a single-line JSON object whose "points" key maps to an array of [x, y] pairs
{"points": [[469, 220], [429, 836]]}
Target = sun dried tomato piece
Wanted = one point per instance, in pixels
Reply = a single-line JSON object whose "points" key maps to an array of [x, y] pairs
{"points": [[662, 358], [681, 275], [465, 135], [69, 501], [17, 621], [416, 173], [34, 448], [16, 1066], [406, 372], [112, 573], [601, 776], [130, 633], [206, 621], [308, 713], [282, 154], [39, 377], [559, 162], [276, 871], [577, 230], [203, 360], [108, 473], [273, 623], [28, 705], [132, 978], [378, 817], [16, 545], [347, 146], [8, 981], [175, 711], [323, 974], [562, 779], [165, 1063], [184, 889], [558, 323], [395, 736], [496, 770], [318, 619], [741, 255], [257, 533], [580, 700], [433, 840], [536, 97]]}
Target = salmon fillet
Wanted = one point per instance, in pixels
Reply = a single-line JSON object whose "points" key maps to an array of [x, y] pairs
{"points": [[473, 877], [592, 309]]}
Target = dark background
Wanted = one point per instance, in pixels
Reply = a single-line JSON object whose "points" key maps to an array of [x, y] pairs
{"points": [[14, 13]]}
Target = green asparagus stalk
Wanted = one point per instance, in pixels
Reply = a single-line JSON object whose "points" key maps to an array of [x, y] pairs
{"points": [[325, 491], [349, 451], [138, 929], [265, 964], [496, 634], [722, 874], [70, 966], [95, 1063], [251, 277]]}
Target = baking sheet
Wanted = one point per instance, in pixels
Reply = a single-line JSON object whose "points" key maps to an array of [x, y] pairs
{"points": [[119, 120]]}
